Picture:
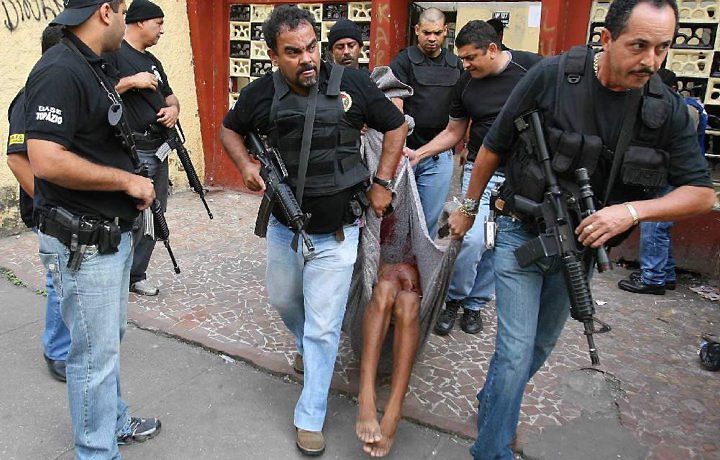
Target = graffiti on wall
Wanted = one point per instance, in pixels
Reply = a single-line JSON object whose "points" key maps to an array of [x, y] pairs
{"points": [[16, 12]]}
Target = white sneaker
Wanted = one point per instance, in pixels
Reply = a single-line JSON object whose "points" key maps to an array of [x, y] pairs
{"points": [[144, 287]]}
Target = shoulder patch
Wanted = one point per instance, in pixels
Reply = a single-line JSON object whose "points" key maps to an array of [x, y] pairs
{"points": [[16, 139], [346, 99]]}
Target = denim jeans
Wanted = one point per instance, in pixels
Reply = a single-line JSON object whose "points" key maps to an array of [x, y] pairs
{"points": [[532, 307], [433, 176], [657, 264], [473, 279], [93, 302], [158, 172], [311, 297], [56, 336]]}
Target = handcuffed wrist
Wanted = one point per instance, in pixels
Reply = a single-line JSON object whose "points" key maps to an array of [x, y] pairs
{"points": [[633, 212]]}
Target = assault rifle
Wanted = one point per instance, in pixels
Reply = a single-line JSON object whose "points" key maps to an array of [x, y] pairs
{"points": [[277, 191], [558, 238], [161, 229], [176, 141]]}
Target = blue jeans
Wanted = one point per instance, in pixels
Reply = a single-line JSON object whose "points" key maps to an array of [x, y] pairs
{"points": [[93, 302], [56, 336], [311, 297], [657, 264], [473, 279], [532, 307], [433, 176], [159, 173]]}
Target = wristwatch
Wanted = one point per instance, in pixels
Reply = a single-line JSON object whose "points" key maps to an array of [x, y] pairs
{"points": [[469, 207], [385, 183]]}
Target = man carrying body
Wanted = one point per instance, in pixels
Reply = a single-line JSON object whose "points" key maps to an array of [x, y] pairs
{"points": [[151, 109], [432, 72], [579, 95], [490, 76], [86, 198], [311, 294], [56, 336]]}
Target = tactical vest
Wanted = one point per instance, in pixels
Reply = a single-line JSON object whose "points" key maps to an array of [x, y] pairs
{"points": [[432, 91], [574, 141], [335, 163]]}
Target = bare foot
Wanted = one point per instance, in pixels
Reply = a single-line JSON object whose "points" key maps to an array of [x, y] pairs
{"points": [[388, 426], [367, 427]]}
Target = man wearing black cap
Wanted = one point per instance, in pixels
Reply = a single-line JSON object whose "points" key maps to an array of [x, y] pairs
{"points": [[345, 43], [152, 108], [86, 199]]}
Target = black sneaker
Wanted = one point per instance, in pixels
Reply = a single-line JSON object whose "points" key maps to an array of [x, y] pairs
{"points": [[446, 320], [471, 322], [669, 285], [141, 429], [638, 287]]}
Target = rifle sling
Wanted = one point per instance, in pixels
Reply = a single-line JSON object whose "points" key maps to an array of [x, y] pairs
{"points": [[306, 141], [623, 141]]}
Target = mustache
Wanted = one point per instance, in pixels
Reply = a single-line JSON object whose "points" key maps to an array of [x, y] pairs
{"points": [[643, 71], [305, 68]]}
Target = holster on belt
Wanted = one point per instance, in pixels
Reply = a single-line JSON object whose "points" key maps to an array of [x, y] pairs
{"points": [[79, 232]]}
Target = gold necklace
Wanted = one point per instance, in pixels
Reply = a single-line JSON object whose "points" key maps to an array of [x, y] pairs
{"points": [[596, 61]]}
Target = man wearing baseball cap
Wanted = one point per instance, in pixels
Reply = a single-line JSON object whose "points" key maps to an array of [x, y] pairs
{"points": [[152, 110], [86, 199]]}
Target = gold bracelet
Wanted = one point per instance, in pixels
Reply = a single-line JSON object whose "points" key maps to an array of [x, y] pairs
{"points": [[466, 212], [633, 213]]}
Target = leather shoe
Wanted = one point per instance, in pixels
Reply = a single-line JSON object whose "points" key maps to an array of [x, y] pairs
{"points": [[298, 364], [56, 368], [311, 443], [446, 320], [638, 287], [471, 322], [669, 285]]}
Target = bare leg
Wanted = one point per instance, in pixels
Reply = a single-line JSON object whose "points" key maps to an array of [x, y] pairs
{"points": [[376, 321], [407, 332]]}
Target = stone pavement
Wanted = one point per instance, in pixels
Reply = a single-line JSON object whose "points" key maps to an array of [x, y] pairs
{"points": [[652, 399]]}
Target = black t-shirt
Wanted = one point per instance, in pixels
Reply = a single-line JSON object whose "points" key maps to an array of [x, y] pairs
{"points": [[141, 105], [65, 104], [369, 106], [538, 90], [482, 99], [402, 68], [17, 146]]}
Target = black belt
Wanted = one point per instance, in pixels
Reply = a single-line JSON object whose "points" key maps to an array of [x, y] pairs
{"points": [[88, 234], [147, 141]]}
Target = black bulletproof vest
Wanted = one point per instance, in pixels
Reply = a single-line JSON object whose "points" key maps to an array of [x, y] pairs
{"points": [[335, 163], [433, 87]]}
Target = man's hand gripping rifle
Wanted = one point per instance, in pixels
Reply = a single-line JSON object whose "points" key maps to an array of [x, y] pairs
{"points": [[273, 172], [160, 230], [176, 141], [558, 238]]}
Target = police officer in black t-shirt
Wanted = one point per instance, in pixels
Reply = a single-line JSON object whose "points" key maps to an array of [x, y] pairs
{"points": [[56, 336], [479, 96], [432, 72], [583, 99], [86, 199], [311, 294], [151, 107]]}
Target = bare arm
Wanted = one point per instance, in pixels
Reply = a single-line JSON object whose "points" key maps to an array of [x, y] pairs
{"points": [[142, 80], [685, 201], [398, 102], [54, 163], [235, 147], [485, 165], [446, 139], [19, 164], [393, 142]]}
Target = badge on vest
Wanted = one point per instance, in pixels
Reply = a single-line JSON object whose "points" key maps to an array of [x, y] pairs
{"points": [[346, 100]]}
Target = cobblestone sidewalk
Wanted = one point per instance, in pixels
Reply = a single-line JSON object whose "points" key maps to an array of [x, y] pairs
{"points": [[665, 399]]}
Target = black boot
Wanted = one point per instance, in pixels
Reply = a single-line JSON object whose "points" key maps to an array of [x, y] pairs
{"points": [[471, 322], [446, 320]]}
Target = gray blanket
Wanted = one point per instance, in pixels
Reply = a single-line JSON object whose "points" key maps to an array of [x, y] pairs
{"points": [[404, 239]]}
